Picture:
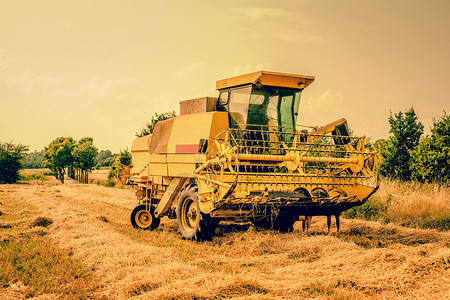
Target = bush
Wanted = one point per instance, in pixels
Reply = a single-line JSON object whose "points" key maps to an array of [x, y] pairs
{"points": [[372, 209], [123, 159], [11, 161], [30, 177], [108, 183]]}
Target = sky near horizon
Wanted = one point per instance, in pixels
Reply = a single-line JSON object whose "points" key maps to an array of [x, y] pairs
{"points": [[103, 68]]}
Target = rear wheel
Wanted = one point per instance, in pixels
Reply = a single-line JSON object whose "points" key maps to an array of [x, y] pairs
{"points": [[192, 223], [141, 218]]}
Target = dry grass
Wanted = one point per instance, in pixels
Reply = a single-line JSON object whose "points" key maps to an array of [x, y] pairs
{"points": [[368, 259], [408, 204], [31, 263], [99, 175], [411, 202], [35, 171]]}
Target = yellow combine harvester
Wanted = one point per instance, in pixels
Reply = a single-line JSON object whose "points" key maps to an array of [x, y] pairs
{"points": [[240, 157]]}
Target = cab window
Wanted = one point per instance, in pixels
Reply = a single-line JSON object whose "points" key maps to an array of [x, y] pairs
{"points": [[238, 106]]}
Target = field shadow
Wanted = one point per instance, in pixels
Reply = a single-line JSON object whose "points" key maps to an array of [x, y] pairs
{"points": [[384, 236], [365, 235], [225, 228]]}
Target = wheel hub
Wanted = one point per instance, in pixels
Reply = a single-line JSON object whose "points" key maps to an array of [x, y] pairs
{"points": [[143, 219], [190, 215]]}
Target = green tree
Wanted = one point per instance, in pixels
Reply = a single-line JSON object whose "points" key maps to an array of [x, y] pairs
{"points": [[34, 160], [396, 153], [149, 127], [85, 157], [431, 158], [11, 161], [105, 158], [441, 130], [123, 159], [385, 150], [58, 155]]}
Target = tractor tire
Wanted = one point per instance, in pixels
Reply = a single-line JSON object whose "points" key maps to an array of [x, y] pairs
{"points": [[192, 223], [144, 219]]}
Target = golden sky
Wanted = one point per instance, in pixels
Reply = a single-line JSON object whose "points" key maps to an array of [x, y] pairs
{"points": [[104, 68]]}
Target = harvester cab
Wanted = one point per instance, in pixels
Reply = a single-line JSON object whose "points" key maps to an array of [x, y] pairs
{"points": [[241, 157], [262, 101]]}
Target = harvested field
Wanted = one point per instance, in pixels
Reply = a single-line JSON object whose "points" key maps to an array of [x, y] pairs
{"points": [[91, 223], [98, 175]]}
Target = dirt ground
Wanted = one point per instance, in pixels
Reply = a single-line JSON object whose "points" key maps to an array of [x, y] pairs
{"points": [[365, 260]]}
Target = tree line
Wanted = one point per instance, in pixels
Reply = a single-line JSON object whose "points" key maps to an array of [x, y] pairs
{"points": [[78, 157], [35, 159], [409, 155], [63, 153], [405, 155]]}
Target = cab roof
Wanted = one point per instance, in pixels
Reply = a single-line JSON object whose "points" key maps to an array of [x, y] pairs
{"points": [[268, 79]]}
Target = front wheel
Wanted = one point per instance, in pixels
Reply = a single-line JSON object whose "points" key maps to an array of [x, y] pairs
{"points": [[192, 223], [141, 218]]}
